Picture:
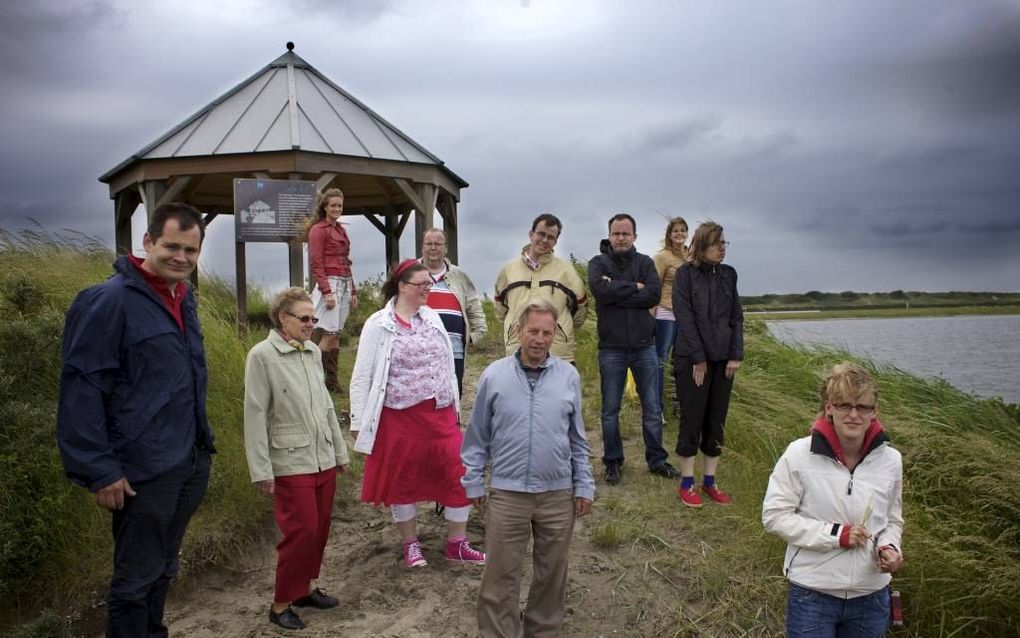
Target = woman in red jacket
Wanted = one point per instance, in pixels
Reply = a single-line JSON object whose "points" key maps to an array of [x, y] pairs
{"points": [[329, 253]]}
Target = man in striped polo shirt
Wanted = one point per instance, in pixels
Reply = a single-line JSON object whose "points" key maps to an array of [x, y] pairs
{"points": [[454, 297]]}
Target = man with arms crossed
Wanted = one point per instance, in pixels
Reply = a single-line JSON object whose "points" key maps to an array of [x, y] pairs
{"points": [[539, 273], [626, 286], [527, 422], [453, 296], [131, 422]]}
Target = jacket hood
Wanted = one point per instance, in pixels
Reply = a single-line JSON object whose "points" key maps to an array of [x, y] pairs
{"points": [[824, 439]]}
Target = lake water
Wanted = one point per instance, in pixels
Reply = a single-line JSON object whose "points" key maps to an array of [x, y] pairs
{"points": [[976, 353]]}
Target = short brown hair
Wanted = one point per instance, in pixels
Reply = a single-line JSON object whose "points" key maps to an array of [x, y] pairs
{"points": [[284, 301], [187, 217]]}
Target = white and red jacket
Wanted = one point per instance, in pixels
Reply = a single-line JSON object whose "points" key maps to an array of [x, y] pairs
{"points": [[812, 498]]}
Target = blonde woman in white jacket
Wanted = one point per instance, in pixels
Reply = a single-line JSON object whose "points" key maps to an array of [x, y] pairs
{"points": [[404, 406], [836, 498]]}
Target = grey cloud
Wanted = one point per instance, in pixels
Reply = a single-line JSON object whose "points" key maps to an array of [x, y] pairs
{"points": [[680, 134]]}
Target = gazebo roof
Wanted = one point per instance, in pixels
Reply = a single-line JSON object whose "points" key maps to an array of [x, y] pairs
{"points": [[287, 105]]}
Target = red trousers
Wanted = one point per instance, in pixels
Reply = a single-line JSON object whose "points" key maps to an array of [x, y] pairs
{"points": [[303, 506]]}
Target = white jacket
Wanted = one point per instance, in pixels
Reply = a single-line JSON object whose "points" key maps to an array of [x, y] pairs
{"points": [[811, 496], [372, 369]]}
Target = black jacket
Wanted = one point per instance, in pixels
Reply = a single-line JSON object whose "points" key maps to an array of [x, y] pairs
{"points": [[623, 317], [709, 317]]}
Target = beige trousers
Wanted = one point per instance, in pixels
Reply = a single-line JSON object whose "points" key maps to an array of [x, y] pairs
{"points": [[512, 518]]}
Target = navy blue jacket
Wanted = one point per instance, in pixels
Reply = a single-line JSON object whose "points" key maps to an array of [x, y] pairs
{"points": [[624, 320], [132, 389], [709, 317]]}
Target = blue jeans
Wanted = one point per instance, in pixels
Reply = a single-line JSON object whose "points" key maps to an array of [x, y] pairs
{"points": [[613, 365], [812, 613], [665, 332]]}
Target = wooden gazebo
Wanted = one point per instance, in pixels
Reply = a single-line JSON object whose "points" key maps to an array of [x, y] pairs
{"points": [[289, 121]]}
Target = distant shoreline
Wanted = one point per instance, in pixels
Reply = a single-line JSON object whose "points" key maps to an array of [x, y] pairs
{"points": [[867, 313]]}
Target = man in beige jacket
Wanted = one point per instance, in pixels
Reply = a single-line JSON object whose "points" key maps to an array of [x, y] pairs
{"points": [[539, 273]]}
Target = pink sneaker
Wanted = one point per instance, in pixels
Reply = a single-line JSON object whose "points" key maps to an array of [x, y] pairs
{"points": [[413, 556], [717, 495], [460, 551], [689, 497]]}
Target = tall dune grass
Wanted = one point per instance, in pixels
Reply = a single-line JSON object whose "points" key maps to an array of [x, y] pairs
{"points": [[54, 540]]}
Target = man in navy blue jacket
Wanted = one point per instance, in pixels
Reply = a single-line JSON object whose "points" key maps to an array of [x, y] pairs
{"points": [[626, 287], [131, 423]]}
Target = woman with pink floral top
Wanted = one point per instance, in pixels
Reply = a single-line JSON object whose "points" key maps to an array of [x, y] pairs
{"points": [[404, 407]]}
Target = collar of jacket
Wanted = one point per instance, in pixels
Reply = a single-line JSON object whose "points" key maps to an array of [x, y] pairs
{"points": [[707, 268], [545, 362], [542, 259], [282, 345], [825, 442], [615, 255], [123, 266], [388, 321], [325, 222]]}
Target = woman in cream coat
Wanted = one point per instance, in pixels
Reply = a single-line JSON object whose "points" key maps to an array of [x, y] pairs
{"points": [[295, 450]]}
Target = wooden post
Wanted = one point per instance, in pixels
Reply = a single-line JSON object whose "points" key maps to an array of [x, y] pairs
{"points": [[124, 204], [151, 192], [241, 272], [447, 206], [392, 237], [296, 253], [424, 218]]}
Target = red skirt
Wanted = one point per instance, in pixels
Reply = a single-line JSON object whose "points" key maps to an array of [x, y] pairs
{"points": [[415, 458]]}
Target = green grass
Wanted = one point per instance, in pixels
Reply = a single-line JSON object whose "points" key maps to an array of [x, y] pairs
{"points": [[680, 572]]}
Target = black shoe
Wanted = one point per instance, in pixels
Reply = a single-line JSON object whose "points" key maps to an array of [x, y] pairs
{"points": [[666, 471], [318, 599], [613, 471], [286, 619]]}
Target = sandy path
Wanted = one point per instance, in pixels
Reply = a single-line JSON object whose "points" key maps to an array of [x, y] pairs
{"points": [[607, 596]]}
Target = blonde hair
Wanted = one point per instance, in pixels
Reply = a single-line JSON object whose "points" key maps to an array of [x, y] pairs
{"points": [[537, 304], [284, 301], [320, 209], [667, 242], [846, 381]]}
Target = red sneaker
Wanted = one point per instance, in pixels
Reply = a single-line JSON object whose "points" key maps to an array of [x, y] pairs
{"points": [[717, 495], [689, 497]]}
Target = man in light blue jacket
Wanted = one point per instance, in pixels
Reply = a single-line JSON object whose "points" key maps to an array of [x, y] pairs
{"points": [[527, 423]]}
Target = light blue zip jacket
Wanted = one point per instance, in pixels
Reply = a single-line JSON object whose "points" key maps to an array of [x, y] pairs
{"points": [[534, 438]]}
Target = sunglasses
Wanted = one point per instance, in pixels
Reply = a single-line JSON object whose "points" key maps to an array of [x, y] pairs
{"points": [[304, 318]]}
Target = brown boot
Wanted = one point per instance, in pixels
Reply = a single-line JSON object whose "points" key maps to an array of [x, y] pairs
{"points": [[329, 368]]}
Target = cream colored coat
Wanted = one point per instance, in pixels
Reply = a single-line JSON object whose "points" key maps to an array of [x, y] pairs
{"points": [[290, 424]]}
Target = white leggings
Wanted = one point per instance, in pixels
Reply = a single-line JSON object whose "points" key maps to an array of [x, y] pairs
{"points": [[403, 513]]}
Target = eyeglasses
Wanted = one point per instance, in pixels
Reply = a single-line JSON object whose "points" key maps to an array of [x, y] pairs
{"points": [[722, 244], [545, 236], [304, 318], [845, 408], [421, 285]]}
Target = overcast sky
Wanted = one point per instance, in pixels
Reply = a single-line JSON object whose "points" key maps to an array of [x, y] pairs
{"points": [[866, 144]]}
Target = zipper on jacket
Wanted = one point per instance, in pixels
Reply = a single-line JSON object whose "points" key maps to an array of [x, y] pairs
{"points": [[850, 485], [311, 406]]}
